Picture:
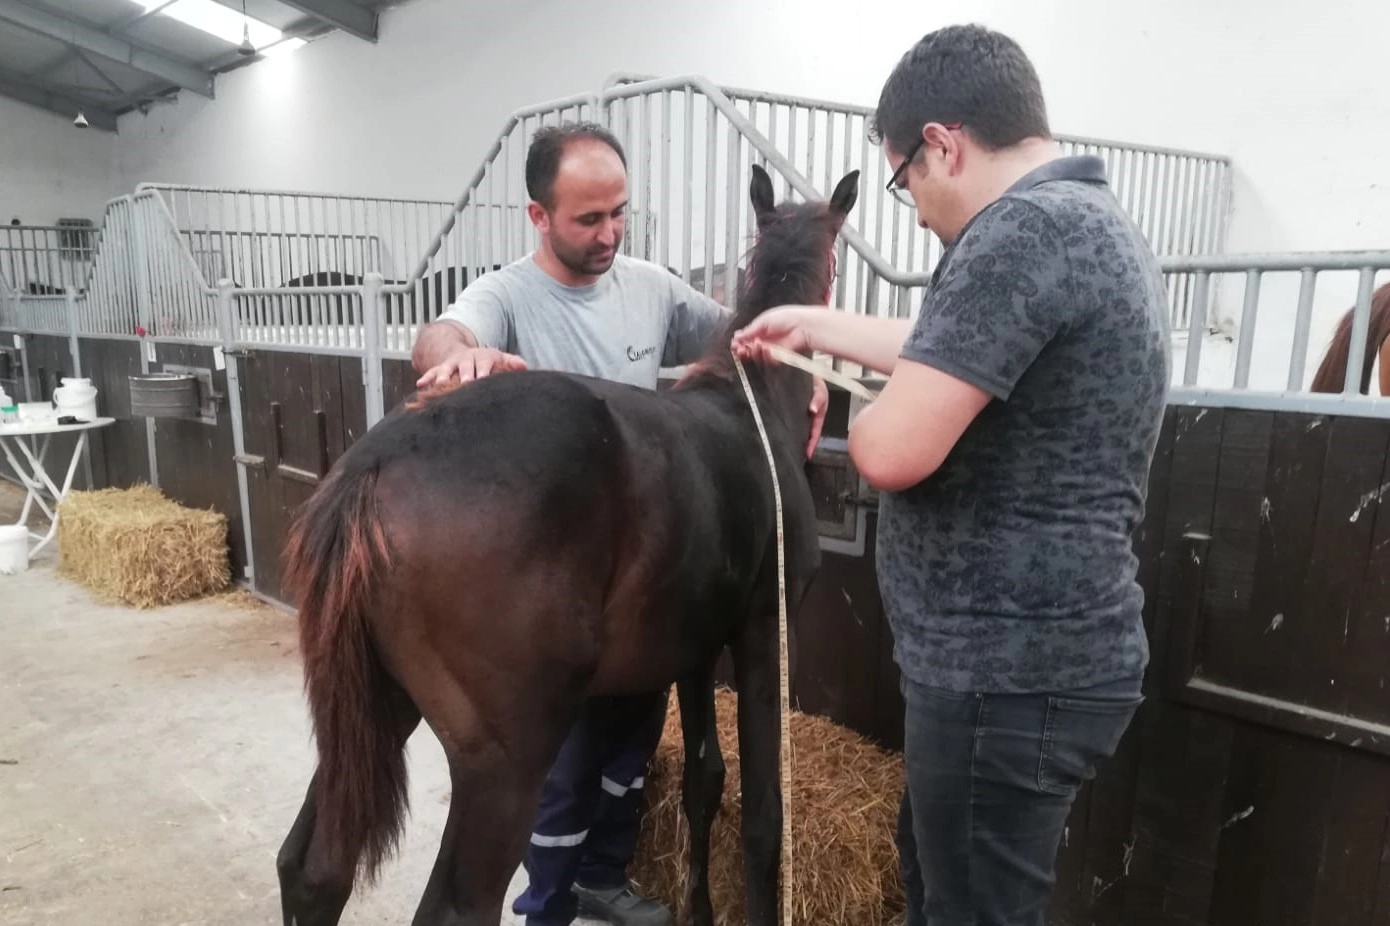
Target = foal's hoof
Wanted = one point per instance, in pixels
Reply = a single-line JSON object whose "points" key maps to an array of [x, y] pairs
{"points": [[621, 906]]}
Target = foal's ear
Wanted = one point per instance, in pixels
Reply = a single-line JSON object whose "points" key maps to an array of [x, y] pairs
{"points": [[846, 194], [760, 189]]}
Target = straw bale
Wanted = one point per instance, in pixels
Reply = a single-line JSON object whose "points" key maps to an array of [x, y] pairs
{"points": [[844, 810], [139, 548]]}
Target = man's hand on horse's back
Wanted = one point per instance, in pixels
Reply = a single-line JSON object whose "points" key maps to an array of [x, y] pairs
{"points": [[470, 363]]}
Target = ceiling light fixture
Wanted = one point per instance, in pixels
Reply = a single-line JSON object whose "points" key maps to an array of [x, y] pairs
{"points": [[215, 19], [245, 49]]}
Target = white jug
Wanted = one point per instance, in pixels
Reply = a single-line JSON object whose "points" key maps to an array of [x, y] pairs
{"points": [[77, 397]]}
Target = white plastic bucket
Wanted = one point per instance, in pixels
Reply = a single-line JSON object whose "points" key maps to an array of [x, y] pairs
{"points": [[14, 549]]}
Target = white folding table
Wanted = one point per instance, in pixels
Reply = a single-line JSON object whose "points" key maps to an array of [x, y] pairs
{"points": [[35, 477]]}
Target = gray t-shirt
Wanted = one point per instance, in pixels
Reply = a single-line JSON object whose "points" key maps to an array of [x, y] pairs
{"points": [[634, 320], [1011, 569]]}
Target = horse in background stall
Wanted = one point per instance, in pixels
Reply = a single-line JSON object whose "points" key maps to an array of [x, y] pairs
{"points": [[1332, 372], [489, 557]]}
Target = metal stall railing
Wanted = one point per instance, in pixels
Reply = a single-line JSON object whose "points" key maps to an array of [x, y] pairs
{"points": [[690, 145], [1179, 199], [268, 239], [1290, 308], [46, 260]]}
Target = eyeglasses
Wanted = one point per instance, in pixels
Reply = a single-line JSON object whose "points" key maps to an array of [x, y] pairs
{"points": [[897, 189]]}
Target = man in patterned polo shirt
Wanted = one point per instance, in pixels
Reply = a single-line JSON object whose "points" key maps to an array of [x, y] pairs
{"points": [[1011, 446]]}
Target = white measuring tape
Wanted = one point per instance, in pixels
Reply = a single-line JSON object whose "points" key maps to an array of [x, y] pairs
{"points": [[791, 358], [783, 682]]}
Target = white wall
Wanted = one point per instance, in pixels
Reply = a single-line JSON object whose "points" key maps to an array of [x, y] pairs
{"points": [[51, 169], [1291, 97], [1289, 93]]}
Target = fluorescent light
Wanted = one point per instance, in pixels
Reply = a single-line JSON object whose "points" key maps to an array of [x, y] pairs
{"points": [[215, 19]]}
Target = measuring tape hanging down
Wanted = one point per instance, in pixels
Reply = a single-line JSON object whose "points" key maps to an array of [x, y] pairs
{"points": [[783, 682], [793, 359]]}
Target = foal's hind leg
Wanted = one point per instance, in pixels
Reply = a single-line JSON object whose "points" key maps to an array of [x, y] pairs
{"points": [[496, 787], [702, 787], [315, 879]]}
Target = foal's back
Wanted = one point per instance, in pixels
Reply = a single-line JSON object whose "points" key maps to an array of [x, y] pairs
{"points": [[523, 493]]}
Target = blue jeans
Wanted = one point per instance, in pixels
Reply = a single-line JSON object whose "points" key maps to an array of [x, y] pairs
{"points": [[990, 782]]}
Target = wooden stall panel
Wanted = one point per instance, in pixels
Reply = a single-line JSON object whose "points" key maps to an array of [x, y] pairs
{"points": [[300, 411], [1276, 621], [120, 451], [398, 382], [197, 460]]}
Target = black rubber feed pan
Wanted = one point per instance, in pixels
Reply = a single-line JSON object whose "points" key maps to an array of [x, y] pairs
{"points": [[164, 395]]}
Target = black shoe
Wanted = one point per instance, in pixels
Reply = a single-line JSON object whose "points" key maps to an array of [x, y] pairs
{"points": [[621, 906]]}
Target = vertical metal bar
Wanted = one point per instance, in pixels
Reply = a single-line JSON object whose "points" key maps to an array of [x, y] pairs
{"points": [[24, 363], [772, 132], [371, 348], [287, 272], [142, 280], [791, 138], [1360, 319], [1194, 335], [711, 165], [645, 129], [1247, 328], [1298, 356], [225, 309], [731, 236], [506, 195], [829, 153], [687, 181], [1141, 214], [664, 220]]}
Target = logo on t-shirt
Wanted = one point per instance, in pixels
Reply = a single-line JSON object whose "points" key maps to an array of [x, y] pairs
{"points": [[636, 355]]}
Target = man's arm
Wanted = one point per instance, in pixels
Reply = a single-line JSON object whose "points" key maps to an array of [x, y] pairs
{"points": [[904, 435], [465, 340], [696, 320], [873, 343], [996, 306]]}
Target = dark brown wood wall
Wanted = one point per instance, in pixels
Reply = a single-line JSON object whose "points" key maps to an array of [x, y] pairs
{"points": [[1254, 786]]}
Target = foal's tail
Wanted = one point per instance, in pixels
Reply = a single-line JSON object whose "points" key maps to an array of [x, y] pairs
{"points": [[336, 554], [1331, 374]]}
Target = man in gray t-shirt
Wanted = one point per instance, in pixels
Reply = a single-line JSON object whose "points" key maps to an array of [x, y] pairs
{"points": [[1011, 446], [577, 305], [625, 326]]}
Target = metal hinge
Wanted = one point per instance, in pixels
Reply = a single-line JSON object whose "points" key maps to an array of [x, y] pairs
{"points": [[855, 499]]}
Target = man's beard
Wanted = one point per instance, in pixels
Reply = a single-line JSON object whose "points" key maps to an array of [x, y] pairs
{"points": [[587, 262]]}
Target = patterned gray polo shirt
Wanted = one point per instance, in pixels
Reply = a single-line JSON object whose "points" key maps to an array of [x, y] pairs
{"points": [[1011, 569]]}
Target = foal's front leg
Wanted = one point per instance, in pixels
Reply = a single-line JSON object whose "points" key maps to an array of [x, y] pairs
{"points": [[702, 786], [759, 730]]}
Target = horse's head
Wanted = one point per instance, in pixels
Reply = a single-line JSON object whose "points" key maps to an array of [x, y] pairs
{"points": [[793, 259], [792, 262]]}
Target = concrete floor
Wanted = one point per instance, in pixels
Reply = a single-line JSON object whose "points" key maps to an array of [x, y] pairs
{"points": [[151, 762]]}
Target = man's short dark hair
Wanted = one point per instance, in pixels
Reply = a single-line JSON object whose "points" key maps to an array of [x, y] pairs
{"points": [[548, 146], [967, 74]]}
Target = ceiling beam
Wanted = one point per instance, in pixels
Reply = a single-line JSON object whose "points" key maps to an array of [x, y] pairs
{"points": [[106, 45], [55, 102], [341, 14]]}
